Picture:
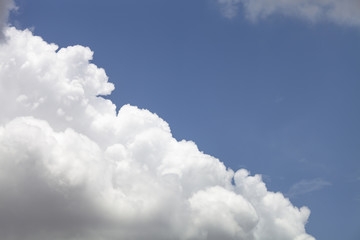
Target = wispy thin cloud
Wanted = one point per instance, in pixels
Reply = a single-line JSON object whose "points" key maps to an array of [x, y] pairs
{"points": [[307, 186], [345, 12], [229, 8]]}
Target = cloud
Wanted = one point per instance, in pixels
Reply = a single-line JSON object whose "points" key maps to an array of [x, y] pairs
{"points": [[345, 12], [307, 186], [71, 167], [5, 6], [229, 8]]}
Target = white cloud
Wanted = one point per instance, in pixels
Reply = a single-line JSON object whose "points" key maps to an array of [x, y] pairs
{"points": [[73, 168], [307, 186], [344, 12]]}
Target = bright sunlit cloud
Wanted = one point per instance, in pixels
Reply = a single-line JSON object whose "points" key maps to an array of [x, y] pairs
{"points": [[71, 167]]}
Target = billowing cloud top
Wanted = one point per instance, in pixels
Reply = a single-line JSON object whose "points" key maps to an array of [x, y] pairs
{"points": [[73, 168], [343, 12]]}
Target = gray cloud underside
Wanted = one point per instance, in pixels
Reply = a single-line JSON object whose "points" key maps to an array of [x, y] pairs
{"points": [[5, 7]]}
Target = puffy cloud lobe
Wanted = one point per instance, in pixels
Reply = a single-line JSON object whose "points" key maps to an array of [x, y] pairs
{"points": [[73, 168], [345, 12], [273, 209]]}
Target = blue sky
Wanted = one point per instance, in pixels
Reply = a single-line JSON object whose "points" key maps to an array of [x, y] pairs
{"points": [[279, 96]]}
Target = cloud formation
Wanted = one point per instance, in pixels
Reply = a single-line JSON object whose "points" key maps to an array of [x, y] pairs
{"points": [[71, 167], [344, 12], [307, 186], [5, 7]]}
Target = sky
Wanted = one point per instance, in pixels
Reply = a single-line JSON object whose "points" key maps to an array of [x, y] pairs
{"points": [[267, 86]]}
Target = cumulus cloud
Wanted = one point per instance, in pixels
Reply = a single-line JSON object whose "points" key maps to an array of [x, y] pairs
{"points": [[345, 12], [71, 167], [307, 186]]}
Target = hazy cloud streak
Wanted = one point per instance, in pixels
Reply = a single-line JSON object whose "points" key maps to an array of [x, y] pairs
{"points": [[345, 12], [307, 186]]}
